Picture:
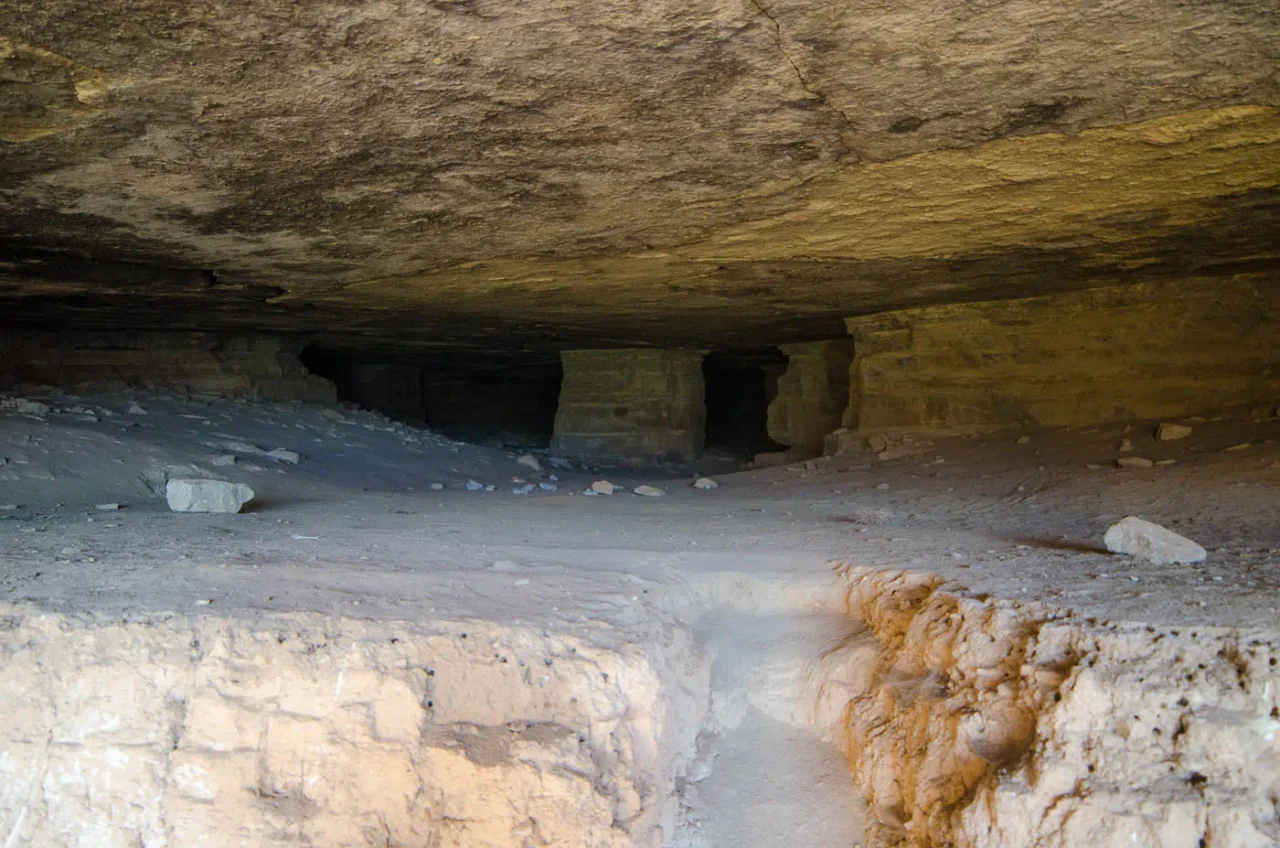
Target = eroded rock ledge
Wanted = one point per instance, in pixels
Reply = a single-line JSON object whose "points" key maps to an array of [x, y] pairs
{"points": [[975, 722]]}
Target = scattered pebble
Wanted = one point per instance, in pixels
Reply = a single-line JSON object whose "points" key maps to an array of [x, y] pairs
{"points": [[1131, 535], [135, 409], [8, 507], [705, 483], [526, 489], [528, 460], [24, 406], [1126, 445], [1134, 462], [282, 455], [1240, 446], [649, 491], [882, 486], [549, 487], [474, 486], [1166, 461], [223, 460], [603, 487], [437, 487], [1022, 440], [107, 507]]}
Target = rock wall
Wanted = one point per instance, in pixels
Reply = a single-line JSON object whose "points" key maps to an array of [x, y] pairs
{"points": [[812, 395], [631, 405], [986, 724], [1112, 354], [260, 367], [305, 729]]}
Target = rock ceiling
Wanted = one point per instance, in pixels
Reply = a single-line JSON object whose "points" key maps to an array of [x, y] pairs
{"points": [[564, 172]]}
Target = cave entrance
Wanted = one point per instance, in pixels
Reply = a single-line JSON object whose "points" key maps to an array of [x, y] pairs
{"points": [[739, 388], [507, 403]]}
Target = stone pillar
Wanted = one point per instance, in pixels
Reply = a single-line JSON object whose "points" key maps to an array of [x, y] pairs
{"points": [[812, 395], [631, 405]]}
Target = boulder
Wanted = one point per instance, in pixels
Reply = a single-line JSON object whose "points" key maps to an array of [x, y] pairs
{"points": [[206, 495], [1135, 537]]}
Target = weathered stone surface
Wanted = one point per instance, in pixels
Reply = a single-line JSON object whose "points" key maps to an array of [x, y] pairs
{"points": [[698, 173], [1131, 535], [332, 731], [630, 405], [206, 495], [1102, 355], [255, 366], [812, 395]]}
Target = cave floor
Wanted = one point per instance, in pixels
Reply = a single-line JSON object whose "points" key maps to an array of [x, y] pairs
{"points": [[353, 529]]}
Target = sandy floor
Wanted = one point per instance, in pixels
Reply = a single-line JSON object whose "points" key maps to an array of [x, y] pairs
{"points": [[355, 529]]}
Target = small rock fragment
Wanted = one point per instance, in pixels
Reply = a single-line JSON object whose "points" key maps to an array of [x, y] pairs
{"points": [[1172, 432], [1134, 462], [1022, 440], [474, 486], [8, 507], [1131, 535], [649, 491], [282, 455], [107, 507], [528, 460], [135, 409], [705, 483], [1165, 461], [1240, 446], [526, 489], [548, 487], [507, 566], [437, 487], [223, 460], [206, 495], [603, 487], [1126, 445]]}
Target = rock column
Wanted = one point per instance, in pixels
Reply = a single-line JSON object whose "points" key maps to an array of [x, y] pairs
{"points": [[812, 395], [631, 405]]}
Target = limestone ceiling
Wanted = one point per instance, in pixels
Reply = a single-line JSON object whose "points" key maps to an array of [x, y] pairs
{"points": [[561, 172]]}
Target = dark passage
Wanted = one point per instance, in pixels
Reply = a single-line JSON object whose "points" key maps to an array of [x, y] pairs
{"points": [[739, 386], [497, 403]]}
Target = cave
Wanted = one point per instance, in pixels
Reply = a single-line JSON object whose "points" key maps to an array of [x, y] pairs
{"points": [[471, 424]]}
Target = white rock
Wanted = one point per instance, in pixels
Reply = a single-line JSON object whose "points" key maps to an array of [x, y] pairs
{"points": [[107, 507], [474, 486], [1172, 432], [135, 409], [206, 495], [1133, 462], [282, 455], [603, 487], [1131, 535], [528, 460], [24, 406], [649, 491], [223, 460], [437, 487], [8, 507], [705, 483]]}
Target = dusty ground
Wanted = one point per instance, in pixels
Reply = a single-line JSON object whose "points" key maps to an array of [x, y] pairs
{"points": [[355, 530]]}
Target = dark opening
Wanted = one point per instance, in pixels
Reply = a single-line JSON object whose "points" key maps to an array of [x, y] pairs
{"points": [[739, 387], [502, 403]]}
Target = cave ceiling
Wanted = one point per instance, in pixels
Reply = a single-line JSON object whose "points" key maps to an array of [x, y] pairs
{"points": [[555, 173]]}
